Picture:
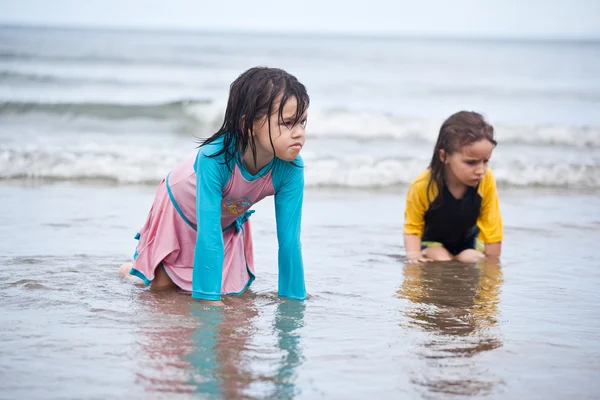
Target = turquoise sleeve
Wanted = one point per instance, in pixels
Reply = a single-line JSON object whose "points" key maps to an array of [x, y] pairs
{"points": [[289, 185], [208, 254]]}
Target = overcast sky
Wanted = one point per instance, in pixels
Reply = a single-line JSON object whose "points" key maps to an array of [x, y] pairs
{"points": [[479, 18]]}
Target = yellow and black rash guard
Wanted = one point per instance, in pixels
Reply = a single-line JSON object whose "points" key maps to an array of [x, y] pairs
{"points": [[456, 220]]}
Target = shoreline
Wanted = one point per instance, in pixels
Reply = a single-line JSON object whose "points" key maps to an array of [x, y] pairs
{"points": [[327, 190]]}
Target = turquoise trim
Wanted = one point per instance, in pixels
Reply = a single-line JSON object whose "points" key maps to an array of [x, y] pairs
{"points": [[135, 254], [252, 277], [205, 296], [296, 298], [147, 282], [137, 273], [247, 175], [187, 221], [239, 221]]}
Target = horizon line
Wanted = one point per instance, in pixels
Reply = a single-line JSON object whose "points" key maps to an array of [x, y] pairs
{"points": [[329, 33]]}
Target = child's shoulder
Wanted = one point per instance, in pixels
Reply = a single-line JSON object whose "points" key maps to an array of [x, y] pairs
{"points": [[217, 154], [285, 172], [488, 183], [287, 166], [209, 149], [489, 176], [420, 185]]}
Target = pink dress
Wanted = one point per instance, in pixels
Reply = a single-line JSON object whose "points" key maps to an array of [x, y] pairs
{"points": [[214, 256]]}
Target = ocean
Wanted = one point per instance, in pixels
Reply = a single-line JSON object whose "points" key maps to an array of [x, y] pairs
{"points": [[92, 120]]}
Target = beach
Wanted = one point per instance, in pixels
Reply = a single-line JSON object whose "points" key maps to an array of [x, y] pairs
{"points": [[90, 122]]}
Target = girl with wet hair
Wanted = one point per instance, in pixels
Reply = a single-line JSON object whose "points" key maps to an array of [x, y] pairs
{"points": [[197, 236], [452, 208]]}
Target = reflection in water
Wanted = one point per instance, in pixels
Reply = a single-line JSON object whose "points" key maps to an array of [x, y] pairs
{"points": [[457, 306], [165, 336], [220, 343], [213, 351], [289, 318]]}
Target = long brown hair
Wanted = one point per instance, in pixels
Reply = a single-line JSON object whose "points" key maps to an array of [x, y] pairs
{"points": [[459, 130]]}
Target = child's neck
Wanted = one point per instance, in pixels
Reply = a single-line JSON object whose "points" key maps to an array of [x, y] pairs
{"points": [[261, 161], [456, 188]]}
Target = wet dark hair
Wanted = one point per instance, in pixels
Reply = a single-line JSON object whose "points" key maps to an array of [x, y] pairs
{"points": [[459, 130], [252, 96]]}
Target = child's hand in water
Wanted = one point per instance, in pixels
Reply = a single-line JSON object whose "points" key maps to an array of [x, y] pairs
{"points": [[217, 303], [416, 258]]}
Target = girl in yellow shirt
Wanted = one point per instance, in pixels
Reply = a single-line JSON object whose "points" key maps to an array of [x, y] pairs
{"points": [[452, 209]]}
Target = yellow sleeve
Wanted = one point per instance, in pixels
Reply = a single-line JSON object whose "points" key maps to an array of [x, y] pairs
{"points": [[417, 204], [490, 219]]}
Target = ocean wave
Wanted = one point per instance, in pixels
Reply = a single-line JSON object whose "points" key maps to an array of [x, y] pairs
{"points": [[373, 125], [28, 78], [323, 123], [174, 109], [367, 125], [188, 60], [13, 77], [533, 93], [147, 166], [368, 173]]}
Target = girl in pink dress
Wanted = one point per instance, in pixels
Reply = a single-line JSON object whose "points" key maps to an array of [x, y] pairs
{"points": [[197, 235]]}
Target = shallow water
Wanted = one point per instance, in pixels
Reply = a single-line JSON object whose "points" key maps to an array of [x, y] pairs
{"points": [[79, 108], [70, 328]]}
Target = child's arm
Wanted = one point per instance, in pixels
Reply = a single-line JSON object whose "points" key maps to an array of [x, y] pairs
{"points": [[414, 221], [490, 219], [208, 253], [493, 250], [412, 244], [288, 213]]}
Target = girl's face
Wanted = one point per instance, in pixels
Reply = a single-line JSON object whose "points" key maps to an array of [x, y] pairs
{"points": [[288, 139], [467, 166]]}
